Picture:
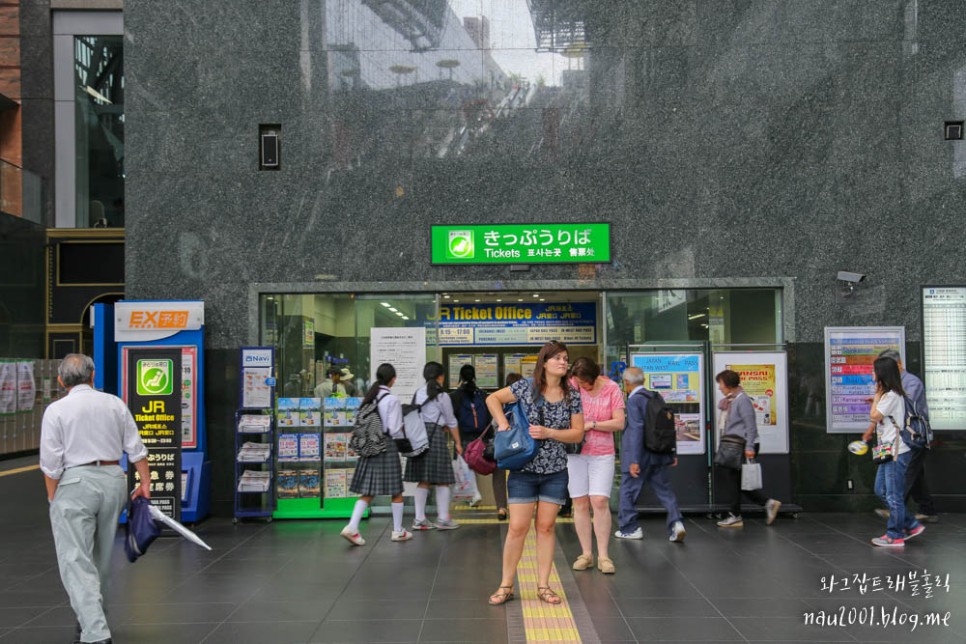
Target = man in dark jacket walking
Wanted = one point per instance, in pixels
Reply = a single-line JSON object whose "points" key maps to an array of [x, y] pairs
{"points": [[640, 466]]}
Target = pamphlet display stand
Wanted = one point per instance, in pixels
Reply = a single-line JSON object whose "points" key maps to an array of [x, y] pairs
{"points": [[315, 464], [255, 436]]}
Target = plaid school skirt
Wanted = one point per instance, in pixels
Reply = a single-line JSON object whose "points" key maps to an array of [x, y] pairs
{"points": [[434, 465], [379, 475]]}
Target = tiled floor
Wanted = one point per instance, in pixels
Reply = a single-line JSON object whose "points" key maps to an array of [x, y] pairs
{"points": [[300, 582]]}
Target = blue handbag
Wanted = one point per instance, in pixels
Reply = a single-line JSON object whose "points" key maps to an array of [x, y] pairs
{"points": [[514, 448]]}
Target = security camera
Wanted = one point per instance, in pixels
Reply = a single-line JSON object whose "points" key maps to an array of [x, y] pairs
{"points": [[852, 278]]}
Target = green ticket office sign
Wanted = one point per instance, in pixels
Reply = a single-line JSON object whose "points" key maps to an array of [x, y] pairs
{"points": [[521, 244]]}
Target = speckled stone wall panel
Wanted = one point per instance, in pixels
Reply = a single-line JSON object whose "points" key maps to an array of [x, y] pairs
{"points": [[742, 138]]}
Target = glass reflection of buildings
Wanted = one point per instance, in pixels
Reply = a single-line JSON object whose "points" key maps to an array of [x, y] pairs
{"points": [[409, 78]]}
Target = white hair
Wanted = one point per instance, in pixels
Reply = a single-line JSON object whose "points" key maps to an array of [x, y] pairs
{"points": [[633, 376], [75, 369]]}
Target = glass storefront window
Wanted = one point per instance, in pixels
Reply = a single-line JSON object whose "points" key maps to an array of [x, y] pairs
{"points": [[99, 131], [720, 317], [314, 332]]}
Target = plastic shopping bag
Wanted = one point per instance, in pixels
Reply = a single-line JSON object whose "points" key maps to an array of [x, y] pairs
{"points": [[465, 486], [750, 476]]}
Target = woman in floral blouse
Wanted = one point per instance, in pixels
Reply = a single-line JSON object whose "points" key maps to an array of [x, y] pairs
{"points": [[555, 416]]}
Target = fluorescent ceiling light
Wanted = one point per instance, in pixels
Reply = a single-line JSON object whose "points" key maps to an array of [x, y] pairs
{"points": [[394, 309], [536, 295], [696, 316], [386, 304]]}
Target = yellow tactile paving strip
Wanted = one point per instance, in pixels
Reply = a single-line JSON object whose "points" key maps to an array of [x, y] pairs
{"points": [[20, 470], [543, 622]]}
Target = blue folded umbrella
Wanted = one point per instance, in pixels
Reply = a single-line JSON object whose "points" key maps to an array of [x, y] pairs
{"points": [[141, 528]]}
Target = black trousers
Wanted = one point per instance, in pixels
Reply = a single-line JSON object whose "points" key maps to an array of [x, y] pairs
{"points": [[916, 483], [733, 485]]}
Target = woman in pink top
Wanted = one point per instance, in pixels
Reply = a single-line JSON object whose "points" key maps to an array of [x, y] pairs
{"points": [[592, 470]]}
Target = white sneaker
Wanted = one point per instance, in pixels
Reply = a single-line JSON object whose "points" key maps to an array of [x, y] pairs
{"points": [[423, 524], [446, 524], [353, 536], [402, 535], [771, 510], [677, 533], [475, 501], [637, 534], [731, 521]]}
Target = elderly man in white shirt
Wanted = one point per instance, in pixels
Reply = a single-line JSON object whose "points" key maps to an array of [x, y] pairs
{"points": [[81, 441]]}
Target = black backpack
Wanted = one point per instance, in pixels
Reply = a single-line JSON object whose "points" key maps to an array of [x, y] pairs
{"points": [[915, 432], [472, 415], [660, 435]]}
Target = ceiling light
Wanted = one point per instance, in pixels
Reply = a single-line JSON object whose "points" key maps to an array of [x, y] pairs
{"points": [[445, 297], [457, 301], [386, 304], [394, 309], [542, 300], [405, 317], [519, 299], [477, 300], [400, 313], [536, 295], [696, 316], [498, 300]]}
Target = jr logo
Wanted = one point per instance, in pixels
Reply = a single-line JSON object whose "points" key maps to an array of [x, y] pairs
{"points": [[154, 377], [460, 244], [153, 407]]}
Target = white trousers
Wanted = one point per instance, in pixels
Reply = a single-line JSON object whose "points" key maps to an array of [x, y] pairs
{"points": [[83, 516]]}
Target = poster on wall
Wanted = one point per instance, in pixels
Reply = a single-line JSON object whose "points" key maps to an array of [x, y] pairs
{"points": [[849, 389], [487, 376], [26, 386], [257, 364], [679, 378], [944, 355], [764, 379], [8, 387], [456, 362], [405, 349]]}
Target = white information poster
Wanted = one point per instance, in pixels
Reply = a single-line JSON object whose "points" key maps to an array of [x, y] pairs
{"points": [[456, 362], [764, 379], [8, 387], [487, 376], [405, 349], [849, 355], [944, 351], [26, 386], [679, 378]]}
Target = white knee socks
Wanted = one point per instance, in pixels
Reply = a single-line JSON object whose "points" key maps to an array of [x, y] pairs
{"points": [[397, 514], [420, 499], [357, 512], [442, 502]]}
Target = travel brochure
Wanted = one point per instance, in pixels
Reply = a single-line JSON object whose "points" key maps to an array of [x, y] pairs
{"points": [[337, 483], [304, 447], [298, 484], [254, 424]]}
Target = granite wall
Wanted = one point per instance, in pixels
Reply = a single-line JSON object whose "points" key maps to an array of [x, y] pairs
{"points": [[723, 139]]}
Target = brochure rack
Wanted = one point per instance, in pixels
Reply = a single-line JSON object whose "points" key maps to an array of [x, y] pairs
{"points": [[255, 436], [314, 462]]}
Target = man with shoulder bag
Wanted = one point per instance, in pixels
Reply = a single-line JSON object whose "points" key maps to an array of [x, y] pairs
{"points": [[82, 438]]}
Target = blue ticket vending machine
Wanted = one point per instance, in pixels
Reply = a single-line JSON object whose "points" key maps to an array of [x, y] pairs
{"points": [[137, 325]]}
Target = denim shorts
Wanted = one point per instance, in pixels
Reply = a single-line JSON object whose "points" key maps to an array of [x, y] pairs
{"points": [[527, 487]]}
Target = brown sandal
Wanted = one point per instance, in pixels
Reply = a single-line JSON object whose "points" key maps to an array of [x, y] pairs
{"points": [[546, 594], [501, 597]]}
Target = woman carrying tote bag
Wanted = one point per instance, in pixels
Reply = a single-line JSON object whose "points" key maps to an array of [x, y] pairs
{"points": [[553, 409], [380, 475], [738, 419]]}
